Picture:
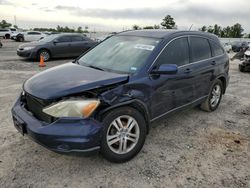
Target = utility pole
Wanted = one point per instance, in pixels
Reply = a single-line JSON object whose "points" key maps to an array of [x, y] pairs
{"points": [[15, 20]]}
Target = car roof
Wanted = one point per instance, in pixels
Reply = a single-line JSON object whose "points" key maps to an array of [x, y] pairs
{"points": [[164, 33]]}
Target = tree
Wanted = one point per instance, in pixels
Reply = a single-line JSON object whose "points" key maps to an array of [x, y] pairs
{"points": [[168, 22], [236, 31], [204, 28], [79, 29], [217, 30], [156, 27], [148, 27], [136, 27], [210, 29], [4, 24], [15, 26]]}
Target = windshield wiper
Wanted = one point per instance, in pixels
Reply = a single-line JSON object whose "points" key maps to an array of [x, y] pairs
{"points": [[94, 67]]}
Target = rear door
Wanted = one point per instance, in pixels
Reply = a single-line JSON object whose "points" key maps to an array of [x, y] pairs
{"points": [[33, 36], [62, 47], [79, 45], [172, 91], [202, 65]]}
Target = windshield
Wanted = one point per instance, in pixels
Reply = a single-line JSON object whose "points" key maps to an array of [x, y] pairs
{"points": [[122, 54], [48, 38]]}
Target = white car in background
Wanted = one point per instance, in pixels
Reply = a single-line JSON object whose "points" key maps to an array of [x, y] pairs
{"points": [[6, 33], [28, 36], [227, 47]]}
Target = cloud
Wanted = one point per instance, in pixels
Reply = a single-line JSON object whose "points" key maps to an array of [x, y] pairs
{"points": [[185, 14], [5, 2]]}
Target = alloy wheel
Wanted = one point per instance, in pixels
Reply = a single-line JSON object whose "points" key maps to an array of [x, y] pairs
{"points": [[216, 95], [123, 134]]}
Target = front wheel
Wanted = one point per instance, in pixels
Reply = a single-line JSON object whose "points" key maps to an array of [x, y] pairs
{"points": [[123, 135], [214, 97], [45, 54]]}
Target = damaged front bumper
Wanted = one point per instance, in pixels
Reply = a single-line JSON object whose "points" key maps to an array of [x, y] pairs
{"points": [[63, 135]]}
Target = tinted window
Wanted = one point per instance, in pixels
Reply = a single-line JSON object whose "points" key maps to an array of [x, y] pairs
{"points": [[76, 38], [3, 30], [200, 49], [175, 53], [216, 49], [34, 33], [64, 39]]}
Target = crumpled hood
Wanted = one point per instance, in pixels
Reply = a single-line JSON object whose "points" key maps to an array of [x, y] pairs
{"points": [[69, 79]]}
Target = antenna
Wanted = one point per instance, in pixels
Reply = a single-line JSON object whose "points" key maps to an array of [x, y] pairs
{"points": [[191, 27]]}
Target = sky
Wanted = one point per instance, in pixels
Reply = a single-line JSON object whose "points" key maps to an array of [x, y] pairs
{"points": [[115, 15]]}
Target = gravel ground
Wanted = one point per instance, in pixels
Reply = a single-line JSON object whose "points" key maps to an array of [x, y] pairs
{"points": [[189, 149]]}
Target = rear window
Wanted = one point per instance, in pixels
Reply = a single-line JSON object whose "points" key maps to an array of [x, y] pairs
{"points": [[200, 49], [216, 49], [64, 39]]}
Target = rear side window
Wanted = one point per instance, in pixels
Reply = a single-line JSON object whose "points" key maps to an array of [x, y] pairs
{"points": [[200, 49], [216, 49], [64, 39], [76, 38], [4, 30], [33, 33], [175, 53]]}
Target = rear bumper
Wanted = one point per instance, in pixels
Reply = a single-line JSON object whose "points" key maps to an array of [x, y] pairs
{"points": [[63, 135]]}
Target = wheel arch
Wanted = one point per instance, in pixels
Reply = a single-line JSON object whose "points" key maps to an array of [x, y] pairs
{"points": [[136, 104], [224, 82]]}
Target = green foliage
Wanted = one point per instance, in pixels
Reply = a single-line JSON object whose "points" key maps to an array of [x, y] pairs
{"points": [[136, 27], [4, 24], [168, 22], [235, 31], [148, 27]]}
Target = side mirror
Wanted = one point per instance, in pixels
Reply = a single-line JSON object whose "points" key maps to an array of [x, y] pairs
{"points": [[55, 41], [166, 69]]}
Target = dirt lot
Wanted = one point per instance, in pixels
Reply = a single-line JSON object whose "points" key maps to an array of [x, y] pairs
{"points": [[190, 149]]}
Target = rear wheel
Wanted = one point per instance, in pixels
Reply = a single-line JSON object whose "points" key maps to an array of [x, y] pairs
{"points": [[214, 97], [7, 36], [20, 39], [123, 135], [45, 54]]}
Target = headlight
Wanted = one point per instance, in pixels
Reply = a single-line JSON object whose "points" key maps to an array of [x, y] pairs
{"points": [[72, 108], [28, 48]]}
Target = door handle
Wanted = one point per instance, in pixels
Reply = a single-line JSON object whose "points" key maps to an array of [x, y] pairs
{"points": [[187, 71], [213, 63]]}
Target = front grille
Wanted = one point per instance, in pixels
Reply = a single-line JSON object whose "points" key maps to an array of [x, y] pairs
{"points": [[35, 106]]}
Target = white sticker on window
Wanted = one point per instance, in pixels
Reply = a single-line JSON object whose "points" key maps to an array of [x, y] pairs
{"points": [[133, 68], [144, 47]]}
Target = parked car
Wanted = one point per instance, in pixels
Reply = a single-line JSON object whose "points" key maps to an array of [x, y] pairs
{"points": [[57, 45], [245, 65], [6, 33], [238, 45], [28, 36], [108, 97], [227, 47]]}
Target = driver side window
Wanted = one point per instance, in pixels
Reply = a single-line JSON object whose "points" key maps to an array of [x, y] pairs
{"points": [[177, 52]]}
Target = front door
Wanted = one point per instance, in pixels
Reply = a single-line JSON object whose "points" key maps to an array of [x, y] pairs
{"points": [[172, 91]]}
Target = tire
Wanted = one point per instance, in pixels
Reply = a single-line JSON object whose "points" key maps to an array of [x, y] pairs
{"points": [[20, 39], [7, 36], [208, 105], [45, 53], [114, 152]]}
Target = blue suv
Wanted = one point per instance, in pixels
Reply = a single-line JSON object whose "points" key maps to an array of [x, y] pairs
{"points": [[107, 98]]}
